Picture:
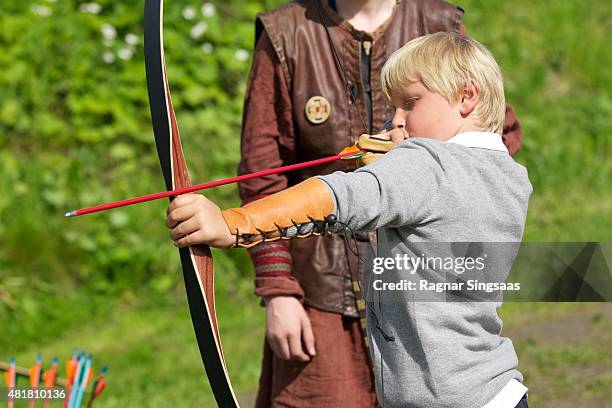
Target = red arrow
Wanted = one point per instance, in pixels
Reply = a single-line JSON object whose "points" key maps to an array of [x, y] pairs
{"points": [[346, 154]]}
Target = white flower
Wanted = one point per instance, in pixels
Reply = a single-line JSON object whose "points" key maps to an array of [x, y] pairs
{"points": [[90, 8], [118, 219], [125, 53], [108, 32], [198, 29], [241, 54], [131, 39], [108, 57], [40, 10], [189, 13], [207, 48], [208, 10]]}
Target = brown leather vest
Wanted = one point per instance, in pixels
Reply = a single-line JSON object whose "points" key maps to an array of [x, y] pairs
{"points": [[299, 38]]}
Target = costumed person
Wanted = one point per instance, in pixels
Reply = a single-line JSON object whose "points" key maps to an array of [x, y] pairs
{"points": [[452, 184], [314, 87]]}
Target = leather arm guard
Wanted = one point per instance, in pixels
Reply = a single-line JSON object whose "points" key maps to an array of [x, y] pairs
{"points": [[375, 146], [297, 212]]}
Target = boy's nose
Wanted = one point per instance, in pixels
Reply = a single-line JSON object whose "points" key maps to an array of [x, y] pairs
{"points": [[399, 119]]}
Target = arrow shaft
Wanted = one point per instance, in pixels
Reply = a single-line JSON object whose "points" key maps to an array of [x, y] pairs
{"points": [[216, 183]]}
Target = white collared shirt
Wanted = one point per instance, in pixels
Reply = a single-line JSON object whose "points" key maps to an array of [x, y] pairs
{"points": [[509, 396], [482, 140]]}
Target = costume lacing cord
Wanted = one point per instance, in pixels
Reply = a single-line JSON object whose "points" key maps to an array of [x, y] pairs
{"points": [[313, 227], [332, 220]]}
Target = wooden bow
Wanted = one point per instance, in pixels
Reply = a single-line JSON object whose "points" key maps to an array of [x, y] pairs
{"points": [[197, 261]]}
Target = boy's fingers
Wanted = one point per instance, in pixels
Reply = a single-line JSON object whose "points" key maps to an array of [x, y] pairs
{"points": [[194, 238], [375, 146], [184, 228], [397, 135], [369, 158], [179, 214], [182, 200], [375, 143]]}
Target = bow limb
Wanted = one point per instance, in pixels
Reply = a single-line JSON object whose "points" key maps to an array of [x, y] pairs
{"points": [[196, 261]]}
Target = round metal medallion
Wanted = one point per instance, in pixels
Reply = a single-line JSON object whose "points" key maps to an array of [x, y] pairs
{"points": [[317, 110]]}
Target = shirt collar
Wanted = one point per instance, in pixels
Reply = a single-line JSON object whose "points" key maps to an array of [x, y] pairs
{"points": [[482, 140]]}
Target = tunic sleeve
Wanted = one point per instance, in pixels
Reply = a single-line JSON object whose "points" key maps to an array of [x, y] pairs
{"points": [[267, 141]]}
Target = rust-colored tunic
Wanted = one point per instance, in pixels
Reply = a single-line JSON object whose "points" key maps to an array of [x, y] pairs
{"points": [[338, 376]]}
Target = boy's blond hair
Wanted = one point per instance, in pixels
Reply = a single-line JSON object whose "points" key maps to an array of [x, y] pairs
{"points": [[445, 63]]}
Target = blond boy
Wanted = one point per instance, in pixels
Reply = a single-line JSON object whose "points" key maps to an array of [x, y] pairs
{"points": [[449, 179]]}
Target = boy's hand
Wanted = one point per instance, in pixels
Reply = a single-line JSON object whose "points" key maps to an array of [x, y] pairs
{"points": [[377, 145], [195, 220]]}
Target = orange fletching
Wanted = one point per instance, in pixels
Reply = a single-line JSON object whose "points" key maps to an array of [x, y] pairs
{"points": [[35, 376], [70, 371], [350, 149], [100, 387], [49, 377]]}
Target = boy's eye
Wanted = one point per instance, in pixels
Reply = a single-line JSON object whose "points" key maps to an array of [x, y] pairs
{"points": [[409, 104]]}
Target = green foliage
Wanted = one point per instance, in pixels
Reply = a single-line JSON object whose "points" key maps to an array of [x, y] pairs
{"points": [[75, 130], [75, 124], [553, 56]]}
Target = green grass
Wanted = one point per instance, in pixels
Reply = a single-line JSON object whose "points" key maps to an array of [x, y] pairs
{"points": [[564, 351], [152, 354]]}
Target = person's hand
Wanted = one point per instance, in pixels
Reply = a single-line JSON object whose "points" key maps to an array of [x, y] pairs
{"points": [[194, 220], [288, 329], [377, 145]]}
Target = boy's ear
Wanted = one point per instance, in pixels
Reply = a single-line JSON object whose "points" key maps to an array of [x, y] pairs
{"points": [[469, 99]]}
